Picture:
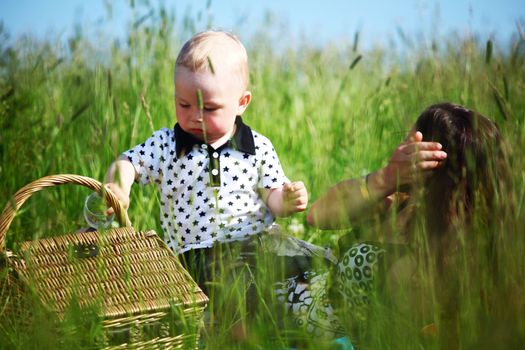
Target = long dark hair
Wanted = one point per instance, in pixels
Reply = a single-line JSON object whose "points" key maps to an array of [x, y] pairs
{"points": [[472, 180]]}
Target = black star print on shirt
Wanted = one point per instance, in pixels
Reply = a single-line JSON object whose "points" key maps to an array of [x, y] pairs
{"points": [[183, 180]]}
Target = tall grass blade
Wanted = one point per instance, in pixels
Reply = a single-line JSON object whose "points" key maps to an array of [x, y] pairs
{"points": [[355, 62]]}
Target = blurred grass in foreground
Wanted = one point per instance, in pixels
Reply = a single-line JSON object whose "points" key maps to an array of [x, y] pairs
{"points": [[332, 113]]}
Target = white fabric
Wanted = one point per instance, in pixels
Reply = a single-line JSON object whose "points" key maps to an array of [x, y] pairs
{"points": [[194, 214]]}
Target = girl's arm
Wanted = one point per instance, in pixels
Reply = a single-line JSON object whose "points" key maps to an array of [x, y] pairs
{"points": [[346, 202], [351, 200]]}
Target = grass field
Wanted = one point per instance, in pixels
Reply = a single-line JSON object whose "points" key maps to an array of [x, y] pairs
{"points": [[332, 113]]}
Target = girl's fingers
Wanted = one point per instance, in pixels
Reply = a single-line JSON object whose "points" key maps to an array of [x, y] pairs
{"points": [[413, 136], [429, 165], [431, 155], [421, 146]]}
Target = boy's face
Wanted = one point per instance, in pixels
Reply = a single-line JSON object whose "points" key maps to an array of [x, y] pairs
{"points": [[223, 99]]}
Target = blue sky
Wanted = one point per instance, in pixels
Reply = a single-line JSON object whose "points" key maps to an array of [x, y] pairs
{"points": [[319, 21]]}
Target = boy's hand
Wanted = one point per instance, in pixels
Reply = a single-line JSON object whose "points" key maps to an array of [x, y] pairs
{"points": [[121, 195], [295, 197], [119, 179]]}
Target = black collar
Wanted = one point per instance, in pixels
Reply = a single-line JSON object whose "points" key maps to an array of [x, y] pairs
{"points": [[242, 139]]}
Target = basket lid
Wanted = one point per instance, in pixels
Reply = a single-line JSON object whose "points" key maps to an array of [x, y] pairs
{"points": [[119, 272]]}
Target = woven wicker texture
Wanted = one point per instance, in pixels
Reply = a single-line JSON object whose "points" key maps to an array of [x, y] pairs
{"points": [[133, 272], [19, 198], [131, 277]]}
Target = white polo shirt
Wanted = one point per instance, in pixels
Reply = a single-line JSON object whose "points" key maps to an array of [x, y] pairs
{"points": [[207, 194]]}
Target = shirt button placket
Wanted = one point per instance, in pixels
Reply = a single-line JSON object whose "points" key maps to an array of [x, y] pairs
{"points": [[215, 178]]}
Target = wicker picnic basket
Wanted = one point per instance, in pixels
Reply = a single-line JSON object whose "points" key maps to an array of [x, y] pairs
{"points": [[131, 278]]}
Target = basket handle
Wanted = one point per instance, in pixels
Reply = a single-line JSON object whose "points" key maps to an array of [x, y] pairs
{"points": [[19, 198]]}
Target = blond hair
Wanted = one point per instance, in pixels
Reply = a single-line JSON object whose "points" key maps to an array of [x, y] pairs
{"points": [[212, 50]]}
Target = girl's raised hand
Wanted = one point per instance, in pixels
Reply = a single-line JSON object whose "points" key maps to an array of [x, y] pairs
{"points": [[412, 158]]}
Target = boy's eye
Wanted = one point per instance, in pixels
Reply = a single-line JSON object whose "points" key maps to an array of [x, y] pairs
{"points": [[184, 105], [210, 109]]}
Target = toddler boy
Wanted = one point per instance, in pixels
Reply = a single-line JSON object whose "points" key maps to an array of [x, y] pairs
{"points": [[219, 180]]}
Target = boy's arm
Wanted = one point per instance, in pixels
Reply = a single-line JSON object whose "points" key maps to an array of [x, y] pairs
{"points": [[119, 178], [286, 200]]}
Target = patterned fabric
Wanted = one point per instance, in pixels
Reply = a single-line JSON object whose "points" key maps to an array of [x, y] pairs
{"points": [[306, 300], [281, 244], [306, 296], [207, 194], [355, 271]]}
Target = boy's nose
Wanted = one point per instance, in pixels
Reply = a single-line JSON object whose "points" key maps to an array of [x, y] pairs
{"points": [[196, 115]]}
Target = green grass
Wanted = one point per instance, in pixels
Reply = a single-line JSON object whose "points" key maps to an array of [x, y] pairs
{"points": [[73, 108]]}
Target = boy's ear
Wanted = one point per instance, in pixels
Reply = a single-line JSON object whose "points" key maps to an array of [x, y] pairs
{"points": [[244, 101]]}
